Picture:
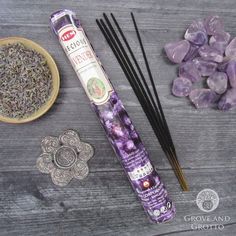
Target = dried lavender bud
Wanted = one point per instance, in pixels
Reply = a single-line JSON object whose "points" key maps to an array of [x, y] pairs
{"points": [[25, 81]]}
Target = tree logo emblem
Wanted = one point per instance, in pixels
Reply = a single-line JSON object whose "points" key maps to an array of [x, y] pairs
{"points": [[207, 200]]}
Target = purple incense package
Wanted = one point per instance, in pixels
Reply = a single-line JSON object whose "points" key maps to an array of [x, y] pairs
{"points": [[113, 116]]}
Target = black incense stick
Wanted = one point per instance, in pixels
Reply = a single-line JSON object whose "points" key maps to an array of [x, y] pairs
{"points": [[175, 159], [137, 80], [163, 143], [154, 88], [133, 81], [150, 75], [142, 76], [121, 60], [140, 72], [158, 117], [142, 99], [142, 92]]}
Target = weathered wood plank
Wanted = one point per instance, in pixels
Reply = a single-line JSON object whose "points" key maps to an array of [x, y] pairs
{"points": [[20, 145], [104, 203], [166, 14], [107, 207]]}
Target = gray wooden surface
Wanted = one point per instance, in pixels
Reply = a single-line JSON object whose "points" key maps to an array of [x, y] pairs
{"points": [[104, 204]]}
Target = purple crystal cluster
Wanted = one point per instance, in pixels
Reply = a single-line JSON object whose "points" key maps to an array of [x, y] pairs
{"points": [[206, 53]]}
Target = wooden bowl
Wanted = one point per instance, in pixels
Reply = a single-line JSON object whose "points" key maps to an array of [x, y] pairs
{"points": [[55, 79]]}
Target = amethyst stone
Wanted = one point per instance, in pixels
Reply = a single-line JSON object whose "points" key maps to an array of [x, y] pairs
{"points": [[228, 100], [189, 70], [223, 66], [230, 50], [213, 25], [192, 52], [176, 51], [211, 58], [181, 87], [196, 33], [231, 72], [220, 41], [209, 53], [202, 98], [205, 68], [218, 82]]}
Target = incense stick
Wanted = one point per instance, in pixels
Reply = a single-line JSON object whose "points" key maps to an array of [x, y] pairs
{"points": [[151, 78], [138, 89], [154, 114], [111, 41], [142, 76], [136, 77], [145, 103], [157, 97]]}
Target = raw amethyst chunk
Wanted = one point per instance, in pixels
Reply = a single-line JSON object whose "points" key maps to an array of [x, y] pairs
{"points": [[181, 87], [213, 25], [228, 100], [220, 41], [218, 82], [209, 53], [196, 33], [231, 72], [189, 70], [223, 66], [230, 50], [211, 58], [176, 51], [205, 68], [192, 52], [202, 98]]}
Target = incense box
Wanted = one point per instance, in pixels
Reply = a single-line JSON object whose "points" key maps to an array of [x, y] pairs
{"points": [[119, 129]]}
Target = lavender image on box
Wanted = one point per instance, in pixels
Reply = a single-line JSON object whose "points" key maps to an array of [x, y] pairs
{"points": [[113, 116]]}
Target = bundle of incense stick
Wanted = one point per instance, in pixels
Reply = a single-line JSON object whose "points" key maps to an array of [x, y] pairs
{"points": [[151, 106]]}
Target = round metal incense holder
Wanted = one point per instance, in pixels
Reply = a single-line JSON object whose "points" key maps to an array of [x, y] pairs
{"points": [[55, 79], [64, 157]]}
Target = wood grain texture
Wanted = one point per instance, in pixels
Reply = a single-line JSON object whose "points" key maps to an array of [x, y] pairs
{"points": [[104, 204]]}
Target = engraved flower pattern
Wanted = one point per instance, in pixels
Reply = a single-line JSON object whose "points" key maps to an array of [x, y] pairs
{"points": [[64, 157]]}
